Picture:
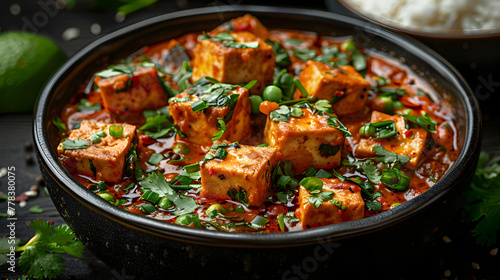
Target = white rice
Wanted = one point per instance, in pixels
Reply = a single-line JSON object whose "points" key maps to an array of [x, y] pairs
{"points": [[467, 16]]}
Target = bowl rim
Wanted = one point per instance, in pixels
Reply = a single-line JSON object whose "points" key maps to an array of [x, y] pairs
{"points": [[48, 158], [397, 27]]}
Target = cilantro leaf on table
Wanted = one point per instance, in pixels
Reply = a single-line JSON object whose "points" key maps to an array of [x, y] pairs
{"points": [[483, 201], [39, 257]]}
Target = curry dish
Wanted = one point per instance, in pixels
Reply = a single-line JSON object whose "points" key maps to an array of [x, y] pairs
{"points": [[248, 129]]}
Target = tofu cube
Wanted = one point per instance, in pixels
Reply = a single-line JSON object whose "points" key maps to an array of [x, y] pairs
{"points": [[324, 82], [306, 141], [235, 65], [328, 213], [124, 94], [409, 142], [244, 23], [201, 126], [246, 168], [107, 156]]}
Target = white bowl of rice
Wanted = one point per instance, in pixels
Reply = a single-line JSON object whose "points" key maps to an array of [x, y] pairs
{"points": [[465, 32], [439, 18]]}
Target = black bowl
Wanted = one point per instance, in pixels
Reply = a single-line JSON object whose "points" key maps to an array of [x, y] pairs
{"points": [[156, 250]]}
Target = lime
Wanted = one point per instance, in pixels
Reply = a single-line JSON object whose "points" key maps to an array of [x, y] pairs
{"points": [[27, 62]]}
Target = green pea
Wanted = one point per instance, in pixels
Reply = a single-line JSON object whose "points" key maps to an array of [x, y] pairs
{"points": [[398, 105], [255, 101], [388, 105], [272, 93]]}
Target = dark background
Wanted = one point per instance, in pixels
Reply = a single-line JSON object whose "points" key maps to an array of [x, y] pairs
{"points": [[458, 259]]}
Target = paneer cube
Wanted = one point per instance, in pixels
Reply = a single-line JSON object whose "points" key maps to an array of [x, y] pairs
{"points": [[106, 158], [409, 142], [244, 23], [244, 168], [346, 193], [306, 141], [201, 126], [235, 65], [124, 94], [325, 82]]}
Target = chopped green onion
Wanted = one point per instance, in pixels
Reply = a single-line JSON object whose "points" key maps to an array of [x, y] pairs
{"points": [[188, 219], [147, 208], [379, 130], [164, 203], [323, 174], [115, 131], [60, 125], [259, 220], [281, 222], [106, 196], [150, 196], [312, 184]]}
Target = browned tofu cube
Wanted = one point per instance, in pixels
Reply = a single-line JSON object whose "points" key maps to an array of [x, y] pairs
{"points": [[328, 213], [244, 23], [245, 168], [324, 82], [106, 156], [409, 142], [201, 126], [124, 94], [235, 65], [306, 141]]}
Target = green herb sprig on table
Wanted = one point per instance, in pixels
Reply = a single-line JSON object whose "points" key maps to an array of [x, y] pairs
{"points": [[40, 257], [482, 204]]}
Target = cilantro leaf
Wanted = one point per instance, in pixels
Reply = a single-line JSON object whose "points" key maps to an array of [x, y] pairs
{"points": [[335, 122], [76, 144], [388, 157], [38, 259], [317, 199], [221, 125], [281, 56], [327, 150], [157, 183], [483, 200], [371, 172], [159, 126], [241, 195]]}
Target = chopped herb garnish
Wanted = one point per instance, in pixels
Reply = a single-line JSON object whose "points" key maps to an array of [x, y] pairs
{"points": [[76, 144], [60, 125], [223, 36], [155, 158], [293, 41], [304, 54], [85, 106], [259, 221], [425, 121], [221, 125], [150, 196], [241, 45], [115, 131], [327, 150], [335, 122], [240, 195], [379, 130], [395, 179], [281, 56], [388, 157], [156, 182]]}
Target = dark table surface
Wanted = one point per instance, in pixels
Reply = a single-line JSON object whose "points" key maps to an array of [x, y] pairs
{"points": [[457, 258]]}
